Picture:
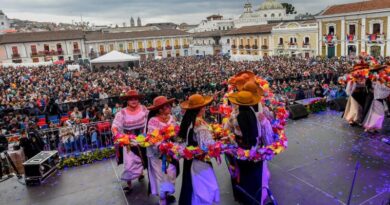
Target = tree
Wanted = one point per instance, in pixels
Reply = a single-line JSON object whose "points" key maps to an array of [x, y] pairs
{"points": [[290, 9]]}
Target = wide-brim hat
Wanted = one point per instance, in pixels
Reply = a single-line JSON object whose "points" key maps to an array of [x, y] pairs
{"points": [[131, 94], [359, 66], [244, 98], [196, 101], [253, 87], [377, 68], [160, 102], [241, 78]]}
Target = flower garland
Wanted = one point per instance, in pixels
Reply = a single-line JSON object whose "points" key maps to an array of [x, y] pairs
{"points": [[382, 76], [317, 105], [224, 139]]}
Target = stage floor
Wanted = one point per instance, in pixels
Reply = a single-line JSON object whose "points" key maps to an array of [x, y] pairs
{"points": [[317, 169]]}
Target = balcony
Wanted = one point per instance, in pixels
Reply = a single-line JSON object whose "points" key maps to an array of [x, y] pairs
{"points": [[130, 50], [255, 47], [280, 46], [35, 54], [264, 47], [306, 46], [60, 52], [15, 55], [186, 46], [48, 53], [234, 46], [150, 49], [177, 47], [241, 47], [351, 38], [375, 38], [168, 47], [292, 46], [141, 50], [76, 51], [159, 49], [247, 47], [330, 39]]}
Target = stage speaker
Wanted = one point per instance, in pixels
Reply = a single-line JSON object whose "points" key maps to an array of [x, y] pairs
{"points": [[338, 104], [40, 167], [297, 111]]}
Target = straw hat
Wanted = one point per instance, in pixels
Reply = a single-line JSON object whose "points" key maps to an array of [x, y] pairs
{"points": [[378, 68], [254, 88], [196, 101], [131, 94], [159, 102], [241, 78], [244, 98]]}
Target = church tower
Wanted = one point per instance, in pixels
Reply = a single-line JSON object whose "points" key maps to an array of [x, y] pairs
{"points": [[139, 24], [132, 24]]}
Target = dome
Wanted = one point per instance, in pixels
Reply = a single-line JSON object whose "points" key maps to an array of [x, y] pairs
{"points": [[270, 4]]}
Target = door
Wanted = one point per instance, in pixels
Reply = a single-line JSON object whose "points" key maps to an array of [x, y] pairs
{"points": [[352, 50], [331, 51], [375, 51]]}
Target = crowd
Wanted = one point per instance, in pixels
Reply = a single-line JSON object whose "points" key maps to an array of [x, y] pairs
{"points": [[29, 92]]}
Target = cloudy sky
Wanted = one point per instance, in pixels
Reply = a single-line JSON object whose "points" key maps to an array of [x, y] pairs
{"points": [[118, 11]]}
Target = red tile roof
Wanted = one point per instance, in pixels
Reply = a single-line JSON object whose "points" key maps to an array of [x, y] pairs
{"points": [[357, 7], [41, 36], [97, 36], [258, 29]]}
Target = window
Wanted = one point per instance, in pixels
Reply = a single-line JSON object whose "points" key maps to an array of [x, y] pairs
{"points": [[33, 49], [307, 40], [242, 42], [140, 45], [101, 49], [209, 42], [280, 41], [2, 23], [176, 42], [130, 46], [293, 40], [159, 44], [46, 47], [111, 46], [256, 42], [247, 42], [121, 47], [272, 15], [167, 43], [14, 50], [228, 41], [265, 15], [352, 29], [150, 45], [331, 30], [75, 46], [234, 42], [265, 42], [280, 14], [376, 28]]}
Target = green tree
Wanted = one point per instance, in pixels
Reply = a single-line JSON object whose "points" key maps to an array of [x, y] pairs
{"points": [[290, 9]]}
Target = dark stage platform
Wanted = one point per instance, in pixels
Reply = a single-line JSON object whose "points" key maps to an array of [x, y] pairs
{"points": [[317, 169]]}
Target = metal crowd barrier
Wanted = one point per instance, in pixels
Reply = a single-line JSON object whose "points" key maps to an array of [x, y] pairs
{"points": [[77, 138]]}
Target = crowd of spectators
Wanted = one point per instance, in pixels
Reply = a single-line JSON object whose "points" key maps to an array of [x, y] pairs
{"points": [[27, 93]]}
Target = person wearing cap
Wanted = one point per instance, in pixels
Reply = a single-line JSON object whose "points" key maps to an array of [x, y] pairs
{"points": [[247, 129], [160, 184], [131, 120], [199, 184]]}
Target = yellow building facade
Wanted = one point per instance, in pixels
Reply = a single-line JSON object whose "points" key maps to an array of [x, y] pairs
{"points": [[355, 28], [296, 39]]}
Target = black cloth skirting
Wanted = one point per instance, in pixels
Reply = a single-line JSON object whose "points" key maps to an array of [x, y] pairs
{"points": [[250, 180]]}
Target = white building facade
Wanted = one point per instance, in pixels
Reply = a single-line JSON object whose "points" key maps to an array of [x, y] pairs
{"points": [[4, 22]]}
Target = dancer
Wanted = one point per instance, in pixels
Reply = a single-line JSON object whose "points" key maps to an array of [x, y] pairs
{"points": [[245, 125], [375, 116], [357, 96], [131, 120], [160, 183], [199, 186]]}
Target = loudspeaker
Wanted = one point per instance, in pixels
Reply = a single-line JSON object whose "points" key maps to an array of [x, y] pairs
{"points": [[338, 104], [297, 111], [40, 167]]}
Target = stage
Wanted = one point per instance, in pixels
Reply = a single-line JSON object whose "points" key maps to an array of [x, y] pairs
{"points": [[316, 169]]}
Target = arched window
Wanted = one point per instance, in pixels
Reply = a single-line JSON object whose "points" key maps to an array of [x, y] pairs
{"points": [[280, 41], [272, 15], [265, 15]]}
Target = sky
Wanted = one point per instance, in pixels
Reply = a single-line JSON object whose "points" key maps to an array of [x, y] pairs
{"points": [[106, 12]]}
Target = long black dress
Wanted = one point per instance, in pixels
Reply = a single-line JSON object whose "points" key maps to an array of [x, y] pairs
{"points": [[249, 181]]}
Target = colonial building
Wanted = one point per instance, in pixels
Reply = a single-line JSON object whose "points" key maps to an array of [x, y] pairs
{"points": [[42, 46], [350, 29], [147, 44], [296, 38], [4, 22], [269, 10], [213, 23], [207, 43], [249, 40]]}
